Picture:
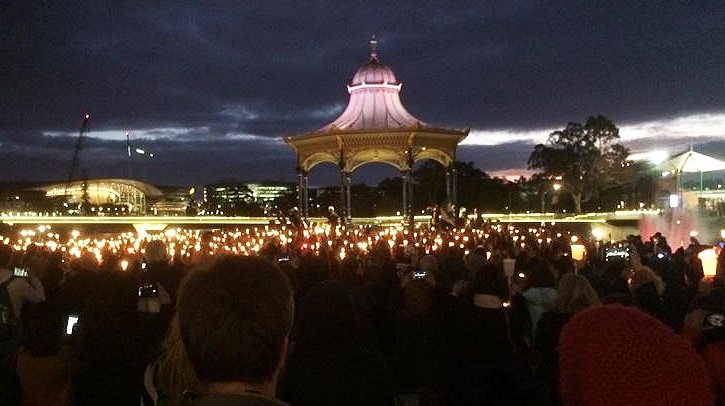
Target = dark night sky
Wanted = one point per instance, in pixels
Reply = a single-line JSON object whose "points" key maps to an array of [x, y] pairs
{"points": [[212, 87]]}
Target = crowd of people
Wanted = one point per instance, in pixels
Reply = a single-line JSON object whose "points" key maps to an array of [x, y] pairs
{"points": [[485, 314]]}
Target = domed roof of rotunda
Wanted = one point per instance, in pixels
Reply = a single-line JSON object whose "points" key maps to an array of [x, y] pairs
{"points": [[374, 100], [374, 72]]}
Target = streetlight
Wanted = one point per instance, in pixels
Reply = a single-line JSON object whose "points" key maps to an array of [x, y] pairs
{"points": [[555, 187], [146, 154], [141, 151]]}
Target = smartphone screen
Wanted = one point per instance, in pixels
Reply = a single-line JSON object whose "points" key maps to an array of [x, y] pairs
{"points": [[148, 291], [616, 254], [72, 321], [20, 272]]}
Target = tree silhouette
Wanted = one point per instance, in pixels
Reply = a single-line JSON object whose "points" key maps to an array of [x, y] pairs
{"points": [[583, 159]]}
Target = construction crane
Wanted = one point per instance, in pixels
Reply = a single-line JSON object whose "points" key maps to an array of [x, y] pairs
{"points": [[77, 151]]}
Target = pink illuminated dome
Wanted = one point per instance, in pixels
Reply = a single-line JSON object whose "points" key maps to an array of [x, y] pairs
{"points": [[374, 99], [374, 72]]}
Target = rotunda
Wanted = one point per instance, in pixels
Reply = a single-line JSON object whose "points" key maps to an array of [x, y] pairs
{"points": [[375, 127]]}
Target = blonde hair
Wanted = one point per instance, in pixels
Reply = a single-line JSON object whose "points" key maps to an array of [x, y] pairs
{"points": [[175, 374], [574, 294]]}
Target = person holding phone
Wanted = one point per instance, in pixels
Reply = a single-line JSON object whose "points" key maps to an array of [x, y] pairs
{"points": [[22, 284], [17, 290]]}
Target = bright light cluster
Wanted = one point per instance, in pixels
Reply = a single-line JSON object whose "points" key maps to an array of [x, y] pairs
{"points": [[193, 245]]}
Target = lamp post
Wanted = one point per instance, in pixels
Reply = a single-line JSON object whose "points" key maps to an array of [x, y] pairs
{"points": [[148, 156], [128, 152]]}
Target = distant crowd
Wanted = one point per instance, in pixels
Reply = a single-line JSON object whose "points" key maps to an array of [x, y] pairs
{"points": [[485, 314]]}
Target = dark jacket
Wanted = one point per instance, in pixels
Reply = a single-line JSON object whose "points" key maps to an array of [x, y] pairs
{"points": [[240, 399], [546, 347], [483, 375]]}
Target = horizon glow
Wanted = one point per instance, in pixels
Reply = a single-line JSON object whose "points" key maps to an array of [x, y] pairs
{"points": [[670, 135]]}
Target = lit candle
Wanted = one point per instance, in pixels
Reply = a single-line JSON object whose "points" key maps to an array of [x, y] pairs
{"points": [[708, 258], [577, 252]]}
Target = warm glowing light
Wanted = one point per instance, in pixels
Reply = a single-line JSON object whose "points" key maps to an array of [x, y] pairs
{"points": [[598, 233], [577, 252], [708, 258]]}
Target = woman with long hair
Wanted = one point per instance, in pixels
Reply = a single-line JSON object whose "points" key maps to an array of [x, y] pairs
{"points": [[574, 294]]}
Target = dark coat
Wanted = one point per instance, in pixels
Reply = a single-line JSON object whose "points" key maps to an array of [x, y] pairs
{"points": [[484, 373], [546, 347]]}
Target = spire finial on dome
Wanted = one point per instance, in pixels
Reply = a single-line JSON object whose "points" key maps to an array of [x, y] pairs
{"points": [[374, 49]]}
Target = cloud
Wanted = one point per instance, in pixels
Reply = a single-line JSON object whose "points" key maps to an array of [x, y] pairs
{"points": [[675, 132], [234, 153], [176, 134], [668, 133], [212, 87], [239, 112], [497, 137]]}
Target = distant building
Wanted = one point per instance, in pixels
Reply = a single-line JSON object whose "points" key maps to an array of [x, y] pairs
{"points": [[248, 199], [115, 196], [268, 194], [14, 199], [175, 202], [103, 197]]}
